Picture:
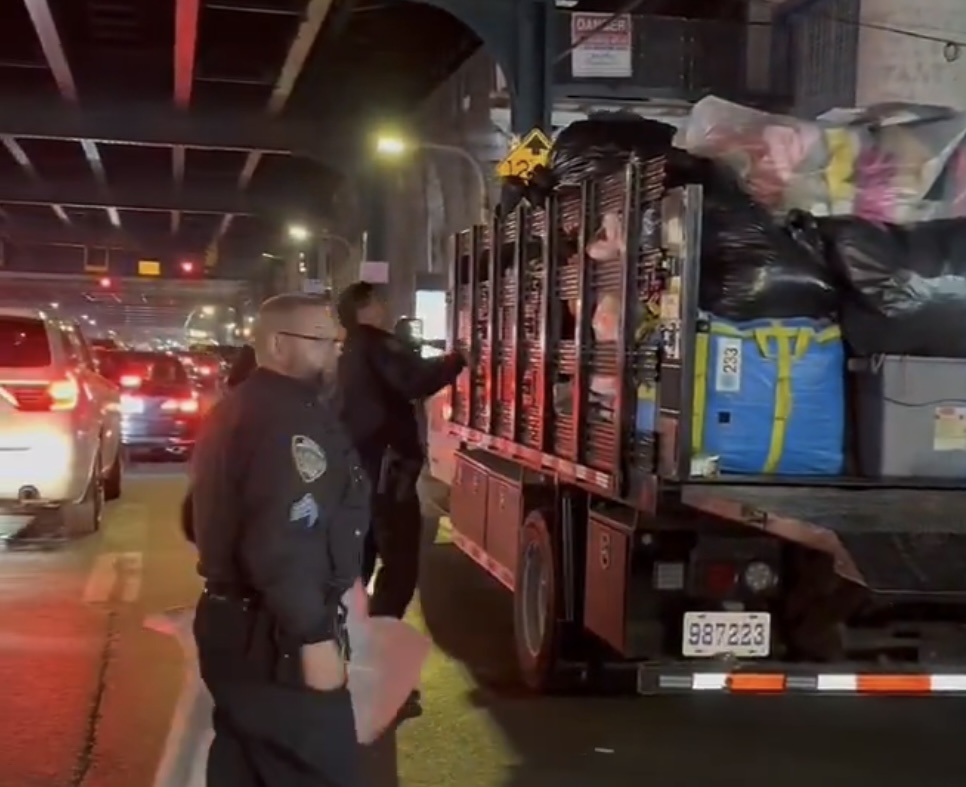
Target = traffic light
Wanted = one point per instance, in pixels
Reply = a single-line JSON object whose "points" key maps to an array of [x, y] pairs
{"points": [[105, 282], [187, 267]]}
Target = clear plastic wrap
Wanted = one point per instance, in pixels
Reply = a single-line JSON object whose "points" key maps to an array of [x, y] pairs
{"points": [[898, 163]]}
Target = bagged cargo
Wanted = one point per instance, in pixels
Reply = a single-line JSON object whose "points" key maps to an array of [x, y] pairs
{"points": [[906, 285], [892, 162], [752, 266], [770, 397], [604, 143]]}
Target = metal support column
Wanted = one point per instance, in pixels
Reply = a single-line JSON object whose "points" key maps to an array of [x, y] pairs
{"points": [[532, 106]]}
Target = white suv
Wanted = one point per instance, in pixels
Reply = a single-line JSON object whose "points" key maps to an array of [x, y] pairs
{"points": [[59, 422]]}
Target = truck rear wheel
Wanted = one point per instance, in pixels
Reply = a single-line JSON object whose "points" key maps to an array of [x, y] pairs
{"points": [[535, 606]]}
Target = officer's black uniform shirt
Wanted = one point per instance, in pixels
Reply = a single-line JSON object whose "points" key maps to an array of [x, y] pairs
{"points": [[379, 379], [279, 502]]}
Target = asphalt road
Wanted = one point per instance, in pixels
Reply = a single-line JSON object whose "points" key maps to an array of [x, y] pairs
{"points": [[87, 693]]}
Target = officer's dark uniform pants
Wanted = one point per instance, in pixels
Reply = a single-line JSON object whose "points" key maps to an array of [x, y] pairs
{"points": [[270, 730], [395, 535]]}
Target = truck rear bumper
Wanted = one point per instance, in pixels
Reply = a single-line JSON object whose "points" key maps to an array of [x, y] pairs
{"points": [[778, 678], [765, 678]]}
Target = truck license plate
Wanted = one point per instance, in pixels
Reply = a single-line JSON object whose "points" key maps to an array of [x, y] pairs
{"points": [[740, 634]]}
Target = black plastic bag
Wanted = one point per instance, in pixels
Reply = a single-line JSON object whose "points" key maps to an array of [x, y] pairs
{"points": [[753, 267], [906, 285], [603, 143], [591, 148]]}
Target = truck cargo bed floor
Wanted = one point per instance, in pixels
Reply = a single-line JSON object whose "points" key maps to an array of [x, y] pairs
{"points": [[906, 541]]}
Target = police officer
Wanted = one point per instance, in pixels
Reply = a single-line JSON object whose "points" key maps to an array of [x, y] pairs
{"points": [[243, 366], [380, 378], [279, 507]]}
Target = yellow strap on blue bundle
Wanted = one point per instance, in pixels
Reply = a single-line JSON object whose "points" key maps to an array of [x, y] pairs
{"points": [[792, 345]]}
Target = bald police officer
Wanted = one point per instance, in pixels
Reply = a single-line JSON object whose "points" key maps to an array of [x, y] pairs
{"points": [[279, 510]]}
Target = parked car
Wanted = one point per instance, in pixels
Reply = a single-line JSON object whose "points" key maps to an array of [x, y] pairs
{"points": [[160, 406], [59, 421]]}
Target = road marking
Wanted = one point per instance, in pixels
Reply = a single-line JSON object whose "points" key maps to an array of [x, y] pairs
{"points": [[101, 580], [126, 527], [115, 575], [131, 569]]}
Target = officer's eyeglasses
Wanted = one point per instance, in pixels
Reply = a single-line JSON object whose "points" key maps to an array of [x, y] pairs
{"points": [[310, 337]]}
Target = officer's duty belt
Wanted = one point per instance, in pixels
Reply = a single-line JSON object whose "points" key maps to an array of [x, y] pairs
{"points": [[226, 591]]}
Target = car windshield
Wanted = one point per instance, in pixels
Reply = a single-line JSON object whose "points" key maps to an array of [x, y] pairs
{"points": [[23, 343]]}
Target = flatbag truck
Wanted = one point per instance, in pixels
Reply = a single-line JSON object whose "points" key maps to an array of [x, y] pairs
{"points": [[633, 562]]}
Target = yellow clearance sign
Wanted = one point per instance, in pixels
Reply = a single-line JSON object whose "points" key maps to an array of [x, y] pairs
{"points": [[149, 268], [532, 151]]}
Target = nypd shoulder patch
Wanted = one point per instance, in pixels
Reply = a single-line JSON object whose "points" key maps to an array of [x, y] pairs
{"points": [[309, 458]]}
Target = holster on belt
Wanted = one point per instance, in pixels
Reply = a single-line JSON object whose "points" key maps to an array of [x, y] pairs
{"points": [[287, 657]]}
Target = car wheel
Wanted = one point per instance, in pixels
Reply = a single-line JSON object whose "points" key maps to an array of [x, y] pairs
{"points": [[114, 481], [86, 515]]}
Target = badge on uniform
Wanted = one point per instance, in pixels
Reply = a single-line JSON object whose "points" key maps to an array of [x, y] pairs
{"points": [[304, 510], [309, 458]]}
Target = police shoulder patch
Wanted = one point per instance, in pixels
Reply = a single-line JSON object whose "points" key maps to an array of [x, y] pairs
{"points": [[309, 458]]}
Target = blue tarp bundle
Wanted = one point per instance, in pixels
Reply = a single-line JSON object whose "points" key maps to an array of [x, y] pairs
{"points": [[770, 397]]}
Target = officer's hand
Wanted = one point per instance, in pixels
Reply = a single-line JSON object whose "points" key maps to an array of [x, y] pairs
{"points": [[323, 666]]}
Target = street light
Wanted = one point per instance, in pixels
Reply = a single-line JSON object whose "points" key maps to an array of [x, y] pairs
{"points": [[395, 146], [391, 146], [298, 233]]}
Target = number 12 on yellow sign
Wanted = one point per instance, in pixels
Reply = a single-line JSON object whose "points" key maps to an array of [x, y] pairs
{"points": [[532, 151]]}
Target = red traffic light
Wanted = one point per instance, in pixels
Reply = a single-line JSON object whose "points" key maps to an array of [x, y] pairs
{"points": [[187, 267], [105, 282]]}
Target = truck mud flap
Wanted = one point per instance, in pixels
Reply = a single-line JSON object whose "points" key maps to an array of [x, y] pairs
{"points": [[929, 563]]}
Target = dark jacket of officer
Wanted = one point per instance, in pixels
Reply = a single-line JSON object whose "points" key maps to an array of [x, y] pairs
{"points": [[379, 379], [279, 503], [243, 366]]}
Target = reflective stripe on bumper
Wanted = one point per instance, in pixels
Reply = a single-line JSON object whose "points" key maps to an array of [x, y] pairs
{"points": [[825, 683]]}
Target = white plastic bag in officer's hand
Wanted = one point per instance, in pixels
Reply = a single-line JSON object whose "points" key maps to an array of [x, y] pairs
{"points": [[384, 668], [186, 749], [387, 658]]}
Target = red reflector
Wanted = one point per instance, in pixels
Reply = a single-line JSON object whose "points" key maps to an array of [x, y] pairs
{"points": [[720, 578]]}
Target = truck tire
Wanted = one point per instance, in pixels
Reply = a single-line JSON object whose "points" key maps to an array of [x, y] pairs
{"points": [[535, 605]]}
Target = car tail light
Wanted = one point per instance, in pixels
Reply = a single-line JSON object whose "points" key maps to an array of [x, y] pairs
{"points": [[58, 395], [64, 394], [188, 406], [130, 381]]}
